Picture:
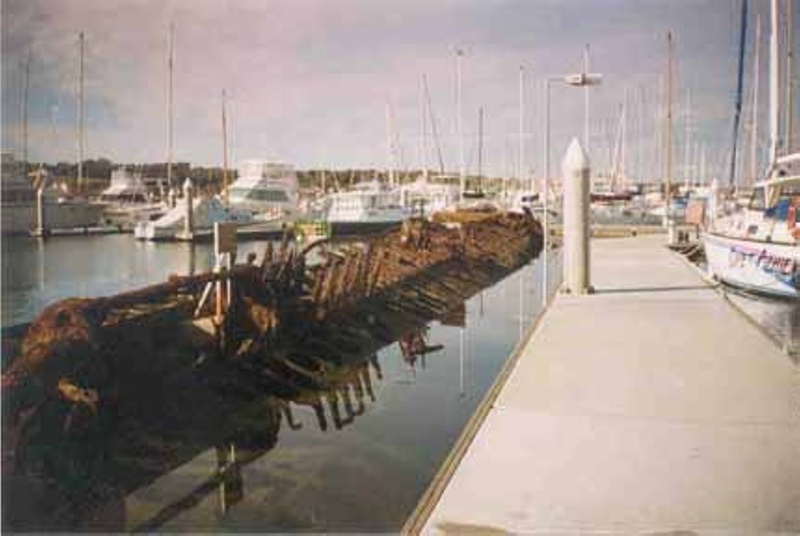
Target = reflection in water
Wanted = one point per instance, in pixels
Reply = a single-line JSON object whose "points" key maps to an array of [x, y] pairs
{"points": [[238, 413], [780, 319], [289, 442]]}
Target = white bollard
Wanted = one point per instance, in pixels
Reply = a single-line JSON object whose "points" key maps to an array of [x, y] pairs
{"points": [[575, 170], [188, 221], [672, 231]]}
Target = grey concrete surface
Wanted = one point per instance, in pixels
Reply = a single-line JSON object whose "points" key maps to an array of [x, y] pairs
{"points": [[651, 406]]}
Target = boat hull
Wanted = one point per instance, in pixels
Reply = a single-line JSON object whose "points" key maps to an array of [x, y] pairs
{"points": [[767, 268]]}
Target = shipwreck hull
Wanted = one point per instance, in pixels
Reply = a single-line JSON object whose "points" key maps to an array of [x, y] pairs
{"points": [[86, 364]]}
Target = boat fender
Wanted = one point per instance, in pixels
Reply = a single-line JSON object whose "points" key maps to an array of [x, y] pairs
{"points": [[791, 219]]}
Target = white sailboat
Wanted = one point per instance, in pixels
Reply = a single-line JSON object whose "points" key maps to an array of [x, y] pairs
{"points": [[758, 247], [424, 197], [192, 217]]}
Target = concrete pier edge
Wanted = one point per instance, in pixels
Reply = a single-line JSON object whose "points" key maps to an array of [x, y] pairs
{"points": [[419, 516], [430, 500]]}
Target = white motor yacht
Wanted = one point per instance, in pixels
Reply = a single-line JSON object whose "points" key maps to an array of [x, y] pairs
{"points": [[266, 190], [423, 197], [126, 201], [369, 206]]}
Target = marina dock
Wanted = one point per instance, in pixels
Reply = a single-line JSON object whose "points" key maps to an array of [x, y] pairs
{"points": [[652, 405]]}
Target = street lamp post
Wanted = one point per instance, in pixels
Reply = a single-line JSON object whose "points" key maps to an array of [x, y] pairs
{"points": [[574, 80]]}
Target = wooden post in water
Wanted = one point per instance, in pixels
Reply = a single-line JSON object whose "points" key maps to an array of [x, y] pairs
{"points": [[224, 249], [41, 224], [188, 222]]}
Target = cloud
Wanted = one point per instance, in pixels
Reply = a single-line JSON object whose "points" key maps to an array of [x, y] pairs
{"points": [[308, 80]]}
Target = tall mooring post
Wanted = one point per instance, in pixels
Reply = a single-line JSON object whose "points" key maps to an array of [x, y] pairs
{"points": [[575, 170], [188, 221], [41, 223]]}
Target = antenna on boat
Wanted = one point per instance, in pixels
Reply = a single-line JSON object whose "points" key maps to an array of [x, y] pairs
{"points": [[80, 185], [224, 152]]}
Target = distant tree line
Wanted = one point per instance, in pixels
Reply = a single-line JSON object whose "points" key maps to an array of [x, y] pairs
{"points": [[97, 174]]}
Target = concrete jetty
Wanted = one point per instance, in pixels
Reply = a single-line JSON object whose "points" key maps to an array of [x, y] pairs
{"points": [[650, 406]]}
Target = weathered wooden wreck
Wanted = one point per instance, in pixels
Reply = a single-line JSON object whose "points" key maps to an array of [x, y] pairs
{"points": [[294, 318]]}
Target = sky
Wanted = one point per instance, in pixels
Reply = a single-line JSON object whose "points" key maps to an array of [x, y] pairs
{"points": [[312, 82]]}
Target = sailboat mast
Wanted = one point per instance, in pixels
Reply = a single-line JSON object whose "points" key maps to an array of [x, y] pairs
{"points": [[738, 107], [433, 124], [423, 144], [703, 178], [80, 184], [461, 165], [169, 106], [754, 119], [480, 148], [623, 137], [657, 132], [25, 92], [789, 81], [389, 144], [687, 141], [640, 137], [521, 146], [617, 151], [668, 133], [224, 152], [774, 92]]}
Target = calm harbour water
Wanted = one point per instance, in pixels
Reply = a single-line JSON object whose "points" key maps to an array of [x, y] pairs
{"points": [[366, 476]]}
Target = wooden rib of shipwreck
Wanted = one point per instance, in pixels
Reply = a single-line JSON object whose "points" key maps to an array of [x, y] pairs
{"points": [[286, 315]]}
